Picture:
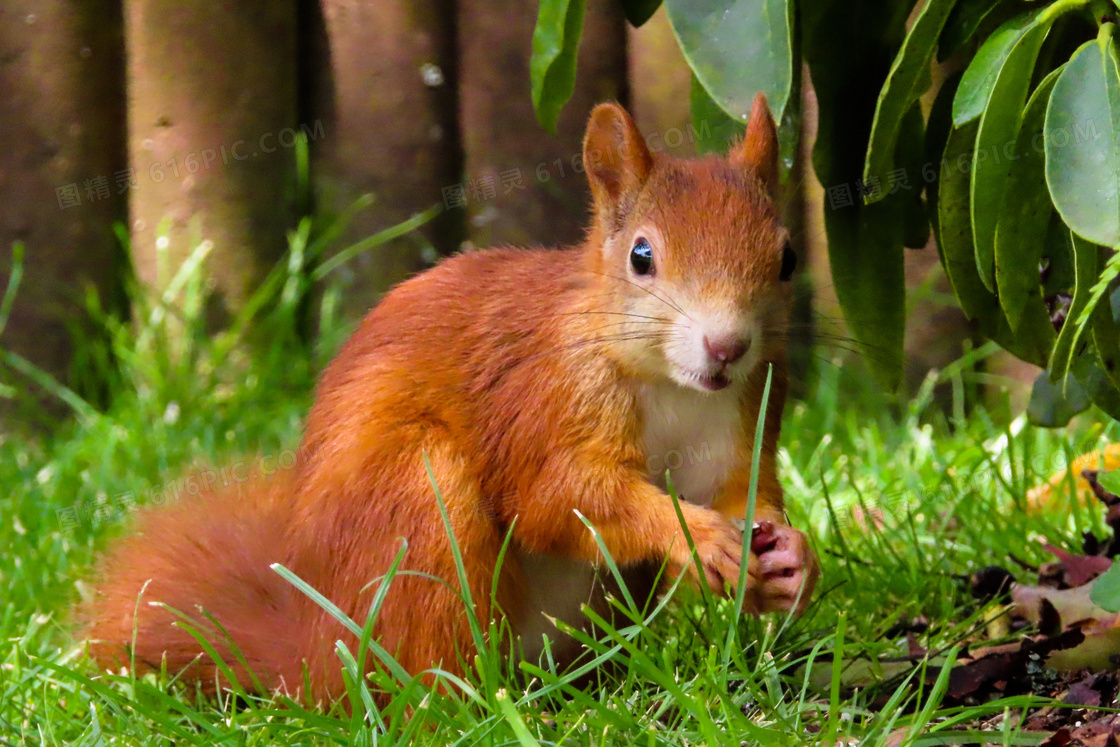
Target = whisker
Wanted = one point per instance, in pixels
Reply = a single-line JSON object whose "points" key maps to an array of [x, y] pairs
{"points": [[665, 301], [661, 320], [620, 337]]}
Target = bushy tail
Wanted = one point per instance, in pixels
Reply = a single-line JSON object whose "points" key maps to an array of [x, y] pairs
{"points": [[207, 557]]}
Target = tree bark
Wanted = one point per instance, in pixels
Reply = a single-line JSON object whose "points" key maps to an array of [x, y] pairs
{"points": [[212, 124], [61, 122], [523, 186], [382, 75]]}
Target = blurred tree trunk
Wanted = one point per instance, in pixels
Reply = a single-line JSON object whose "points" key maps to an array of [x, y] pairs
{"points": [[212, 107], [381, 74], [523, 186], [61, 109]]}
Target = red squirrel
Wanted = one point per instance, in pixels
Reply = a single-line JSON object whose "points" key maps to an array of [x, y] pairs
{"points": [[537, 384]]}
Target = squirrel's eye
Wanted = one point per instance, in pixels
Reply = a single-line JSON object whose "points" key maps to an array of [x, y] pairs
{"points": [[641, 257], [789, 264]]}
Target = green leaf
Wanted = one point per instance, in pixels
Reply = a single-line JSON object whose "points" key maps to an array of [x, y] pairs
{"points": [[908, 80], [1083, 143], [714, 128], [1099, 375], [1106, 336], [639, 11], [1054, 405], [849, 45], [868, 271], [998, 127], [954, 223], [1034, 338], [980, 77], [1110, 481], [1058, 259], [1025, 212], [1106, 589], [1089, 371], [552, 68], [1096, 293], [909, 158], [938, 127], [737, 48], [963, 22], [1086, 262]]}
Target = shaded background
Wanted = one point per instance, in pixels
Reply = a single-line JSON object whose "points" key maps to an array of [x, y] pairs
{"points": [[179, 122]]}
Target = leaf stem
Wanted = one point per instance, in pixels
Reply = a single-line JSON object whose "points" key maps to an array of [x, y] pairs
{"points": [[1104, 11]]}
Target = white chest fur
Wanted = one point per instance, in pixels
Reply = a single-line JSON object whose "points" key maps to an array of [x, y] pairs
{"points": [[691, 434]]}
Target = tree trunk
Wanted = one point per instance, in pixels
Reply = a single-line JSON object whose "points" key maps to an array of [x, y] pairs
{"points": [[523, 186], [212, 124], [381, 74], [61, 122]]}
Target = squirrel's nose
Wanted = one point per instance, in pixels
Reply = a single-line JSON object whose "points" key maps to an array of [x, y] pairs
{"points": [[725, 348]]}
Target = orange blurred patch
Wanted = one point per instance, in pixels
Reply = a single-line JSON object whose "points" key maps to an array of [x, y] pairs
{"points": [[1045, 497]]}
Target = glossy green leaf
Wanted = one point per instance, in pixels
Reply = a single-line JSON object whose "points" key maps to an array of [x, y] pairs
{"points": [[938, 127], [909, 78], [1083, 143], [1086, 264], [737, 48], [715, 130], [998, 127], [1034, 338], [1025, 211], [980, 77], [552, 67], [954, 222], [963, 22], [639, 11]]}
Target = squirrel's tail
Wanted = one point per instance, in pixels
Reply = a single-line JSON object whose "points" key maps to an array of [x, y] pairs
{"points": [[207, 558]]}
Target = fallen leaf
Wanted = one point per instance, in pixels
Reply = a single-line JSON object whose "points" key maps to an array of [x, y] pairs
{"points": [[1077, 570], [1042, 498], [1083, 693]]}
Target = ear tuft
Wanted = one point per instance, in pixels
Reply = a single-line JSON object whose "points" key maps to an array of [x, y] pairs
{"points": [[758, 150], [615, 157]]}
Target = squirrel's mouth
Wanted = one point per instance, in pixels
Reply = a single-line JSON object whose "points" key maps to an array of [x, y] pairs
{"points": [[714, 382]]}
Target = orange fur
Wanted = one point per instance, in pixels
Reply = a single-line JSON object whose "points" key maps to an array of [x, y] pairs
{"points": [[527, 379]]}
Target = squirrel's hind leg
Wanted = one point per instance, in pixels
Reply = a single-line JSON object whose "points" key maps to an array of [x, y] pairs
{"points": [[423, 621]]}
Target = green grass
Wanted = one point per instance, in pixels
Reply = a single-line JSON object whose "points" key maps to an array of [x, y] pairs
{"points": [[948, 497]]}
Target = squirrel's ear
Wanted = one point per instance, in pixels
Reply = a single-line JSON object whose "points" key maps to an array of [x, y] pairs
{"points": [[615, 157], [758, 150]]}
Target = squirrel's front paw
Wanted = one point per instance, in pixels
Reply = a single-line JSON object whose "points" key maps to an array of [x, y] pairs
{"points": [[786, 569], [719, 547]]}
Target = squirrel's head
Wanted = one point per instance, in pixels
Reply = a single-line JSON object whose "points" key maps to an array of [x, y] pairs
{"points": [[691, 262]]}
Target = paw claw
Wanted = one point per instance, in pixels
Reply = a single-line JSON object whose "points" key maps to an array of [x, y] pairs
{"points": [[787, 569]]}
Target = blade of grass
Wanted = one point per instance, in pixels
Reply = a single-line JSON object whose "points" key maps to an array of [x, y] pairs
{"points": [[347, 254], [748, 526]]}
